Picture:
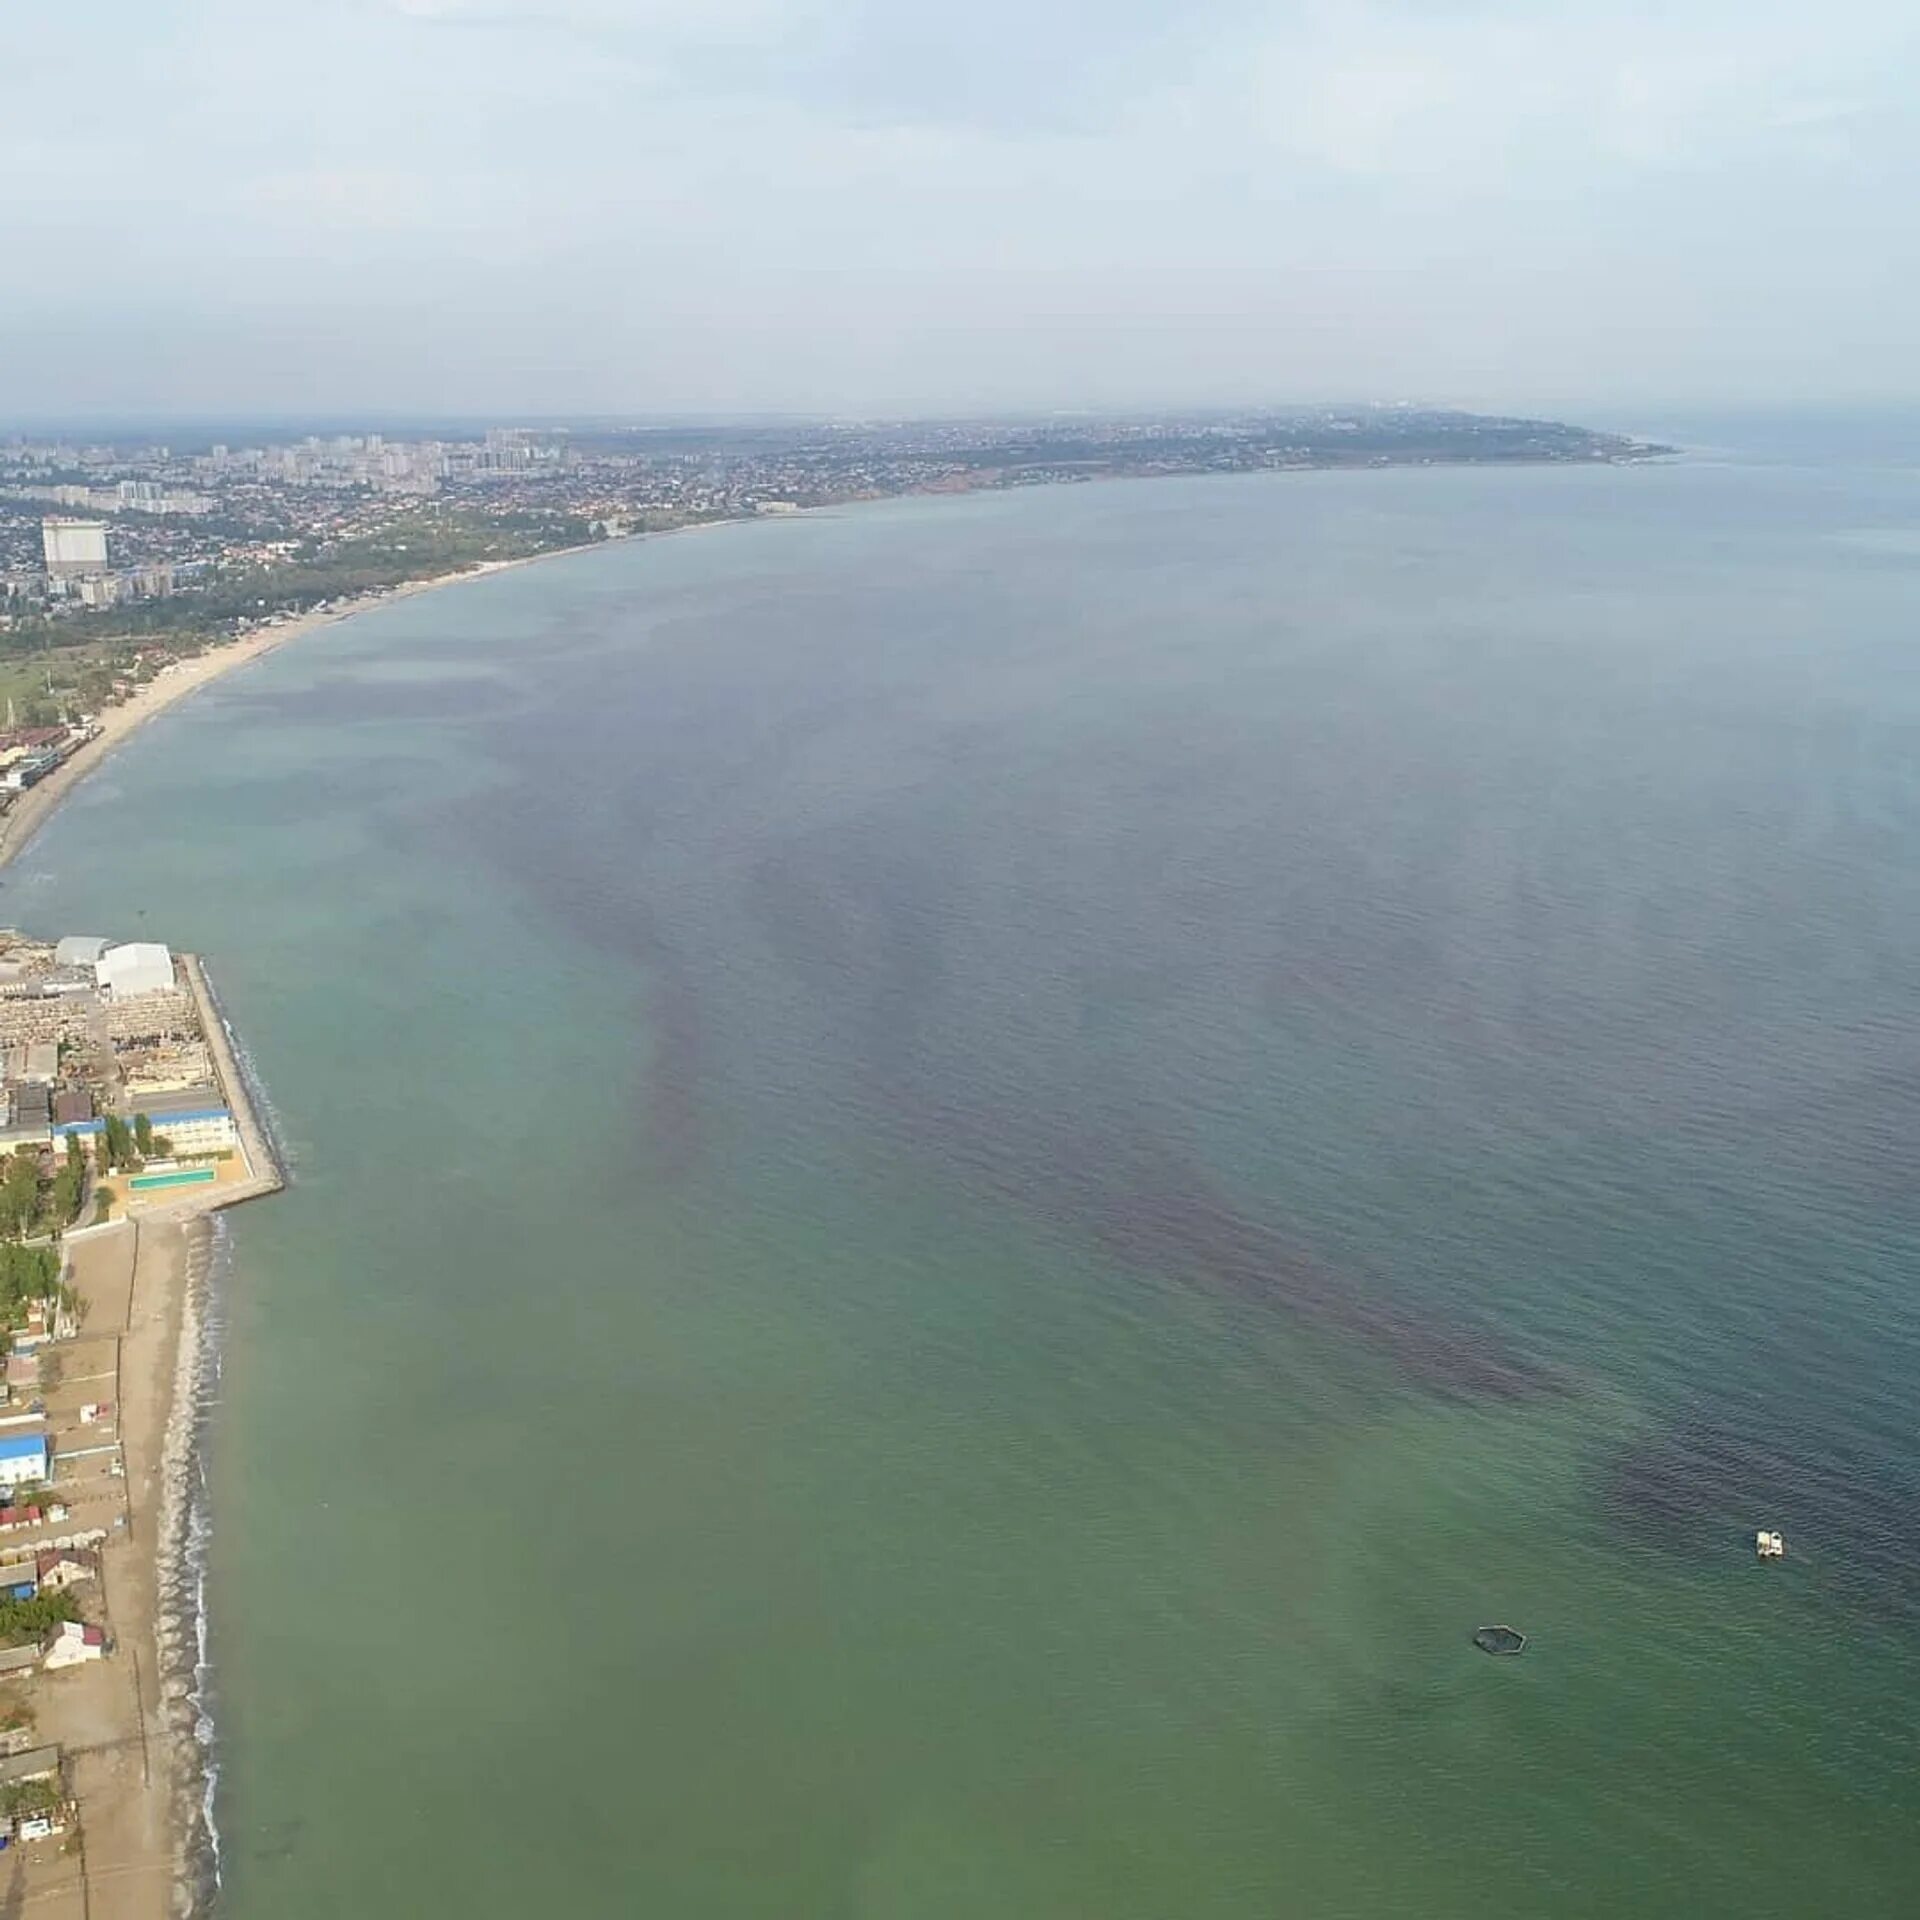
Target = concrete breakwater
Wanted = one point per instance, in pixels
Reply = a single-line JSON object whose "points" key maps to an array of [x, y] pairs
{"points": [[179, 1626], [184, 1524], [256, 1143]]}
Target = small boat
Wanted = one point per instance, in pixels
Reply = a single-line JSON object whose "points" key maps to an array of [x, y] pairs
{"points": [[1500, 1640], [1769, 1546]]}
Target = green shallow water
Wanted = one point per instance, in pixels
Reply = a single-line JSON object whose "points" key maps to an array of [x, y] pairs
{"points": [[970, 1178]]}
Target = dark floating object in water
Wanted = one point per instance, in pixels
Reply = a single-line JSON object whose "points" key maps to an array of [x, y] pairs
{"points": [[1500, 1640]]}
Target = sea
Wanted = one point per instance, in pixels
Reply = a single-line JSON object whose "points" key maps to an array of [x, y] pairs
{"points": [[971, 1176]]}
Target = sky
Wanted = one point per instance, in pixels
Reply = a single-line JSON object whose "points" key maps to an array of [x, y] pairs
{"points": [[564, 207]]}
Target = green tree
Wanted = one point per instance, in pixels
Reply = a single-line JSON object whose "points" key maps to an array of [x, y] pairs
{"points": [[24, 1620], [95, 687], [20, 1192], [143, 1136], [26, 1273], [68, 1186]]}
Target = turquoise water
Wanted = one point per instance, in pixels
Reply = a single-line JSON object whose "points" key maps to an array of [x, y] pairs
{"points": [[192, 1177], [971, 1177]]}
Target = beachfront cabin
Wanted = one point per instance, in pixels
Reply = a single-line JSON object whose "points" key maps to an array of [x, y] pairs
{"points": [[60, 1569], [26, 1459], [72, 1644], [19, 1580]]}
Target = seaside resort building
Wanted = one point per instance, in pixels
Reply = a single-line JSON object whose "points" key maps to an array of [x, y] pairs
{"points": [[23, 1459]]}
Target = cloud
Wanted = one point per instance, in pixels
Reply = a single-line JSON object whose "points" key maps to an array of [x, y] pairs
{"points": [[777, 198]]}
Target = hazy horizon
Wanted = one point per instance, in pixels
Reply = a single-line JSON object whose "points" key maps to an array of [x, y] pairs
{"points": [[571, 208]]}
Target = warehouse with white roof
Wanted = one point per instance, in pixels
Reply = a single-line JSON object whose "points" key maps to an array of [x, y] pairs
{"points": [[141, 966]]}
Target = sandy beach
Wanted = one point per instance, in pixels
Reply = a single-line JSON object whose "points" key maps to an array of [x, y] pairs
{"points": [[127, 1725], [117, 1722]]}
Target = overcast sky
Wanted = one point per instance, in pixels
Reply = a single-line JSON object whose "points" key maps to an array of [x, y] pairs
{"points": [[562, 206]]}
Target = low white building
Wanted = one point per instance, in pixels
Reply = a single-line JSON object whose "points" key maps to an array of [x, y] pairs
{"points": [[71, 1644], [140, 966]]}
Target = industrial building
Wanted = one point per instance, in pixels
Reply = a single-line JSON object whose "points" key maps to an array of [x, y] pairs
{"points": [[36, 1061], [140, 966], [73, 548]]}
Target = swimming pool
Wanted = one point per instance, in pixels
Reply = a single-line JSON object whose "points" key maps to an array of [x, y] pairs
{"points": [[186, 1177]]}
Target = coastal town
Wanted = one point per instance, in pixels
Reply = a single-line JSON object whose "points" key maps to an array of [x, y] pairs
{"points": [[122, 554], [124, 1121]]}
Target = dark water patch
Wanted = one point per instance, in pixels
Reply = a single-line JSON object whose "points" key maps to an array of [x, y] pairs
{"points": [[1702, 1486], [531, 829], [868, 919], [1150, 1208]]}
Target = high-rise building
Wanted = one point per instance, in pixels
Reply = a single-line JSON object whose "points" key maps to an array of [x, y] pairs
{"points": [[73, 548]]}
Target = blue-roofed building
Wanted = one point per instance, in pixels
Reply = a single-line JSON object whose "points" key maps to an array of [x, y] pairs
{"points": [[23, 1459], [192, 1123]]}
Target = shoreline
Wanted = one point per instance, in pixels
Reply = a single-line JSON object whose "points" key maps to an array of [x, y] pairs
{"points": [[177, 1628], [37, 805], [154, 1846]]}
